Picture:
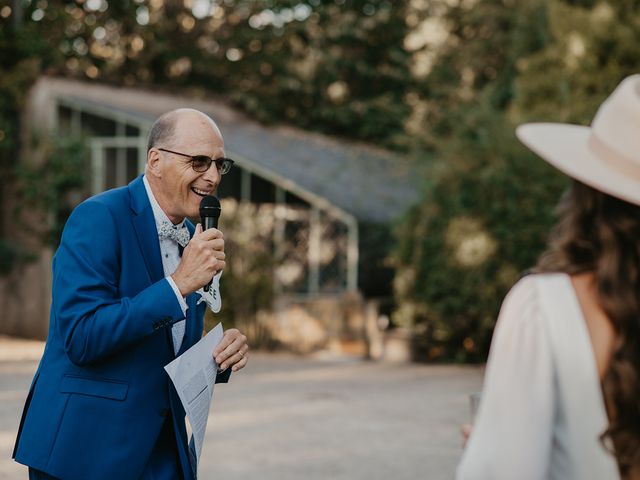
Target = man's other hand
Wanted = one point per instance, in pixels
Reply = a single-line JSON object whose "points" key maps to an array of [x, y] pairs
{"points": [[232, 351]]}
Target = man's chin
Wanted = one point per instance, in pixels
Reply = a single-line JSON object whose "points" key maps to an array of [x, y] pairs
{"points": [[193, 209], [194, 201]]}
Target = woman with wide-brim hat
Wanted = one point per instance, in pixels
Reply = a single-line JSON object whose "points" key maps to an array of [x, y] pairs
{"points": [[561, 396]]}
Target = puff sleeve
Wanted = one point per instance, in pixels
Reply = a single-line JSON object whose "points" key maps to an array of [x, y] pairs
{"points": [[513, 431]]}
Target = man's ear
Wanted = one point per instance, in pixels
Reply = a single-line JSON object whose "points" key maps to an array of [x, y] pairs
{"points": [[153, 163]]}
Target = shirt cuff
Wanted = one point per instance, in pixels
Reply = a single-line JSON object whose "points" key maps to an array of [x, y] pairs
{"points": [[181, 300]]}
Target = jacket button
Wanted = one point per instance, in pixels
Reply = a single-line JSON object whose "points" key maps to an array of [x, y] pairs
{"points": [[164, 412]]}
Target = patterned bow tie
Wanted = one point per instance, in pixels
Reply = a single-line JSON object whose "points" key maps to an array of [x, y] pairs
{"points": [[178, 235]]}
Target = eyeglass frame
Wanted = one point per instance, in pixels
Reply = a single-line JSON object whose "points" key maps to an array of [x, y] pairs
{"points": [[220, 161]]}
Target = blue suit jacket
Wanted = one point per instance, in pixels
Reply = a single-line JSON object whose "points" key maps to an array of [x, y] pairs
{"points": [[100, 396]]}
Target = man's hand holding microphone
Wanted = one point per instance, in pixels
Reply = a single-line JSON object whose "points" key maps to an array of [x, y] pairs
{"points": [[201, 260]]}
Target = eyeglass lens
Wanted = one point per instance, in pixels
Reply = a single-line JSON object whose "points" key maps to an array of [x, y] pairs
{"points": [[201, 163]]}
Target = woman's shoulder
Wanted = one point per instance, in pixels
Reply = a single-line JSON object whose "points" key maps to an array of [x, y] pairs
{"points": [[530, 279], [532, 286], [527, 304]]}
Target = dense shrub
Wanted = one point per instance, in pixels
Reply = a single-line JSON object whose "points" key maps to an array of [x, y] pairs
{"points": [[487, 203], [478, 227]]}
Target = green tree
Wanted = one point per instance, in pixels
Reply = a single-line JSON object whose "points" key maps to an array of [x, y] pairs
{"points": [[479, 226], [592, 48], [487, 204], [335, 66], [24, 54]]}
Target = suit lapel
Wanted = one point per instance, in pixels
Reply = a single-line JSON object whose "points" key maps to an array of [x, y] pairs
{"points": [[146, 231], [192, 301], [188, 327]]}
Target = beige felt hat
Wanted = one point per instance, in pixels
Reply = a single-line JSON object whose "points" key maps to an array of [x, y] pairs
{"points": [[605, 156]]}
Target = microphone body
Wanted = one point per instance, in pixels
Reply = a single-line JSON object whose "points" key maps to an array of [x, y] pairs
{"points": [[209, 215], [209, 222]]}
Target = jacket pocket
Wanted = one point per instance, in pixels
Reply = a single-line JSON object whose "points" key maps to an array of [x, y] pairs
{"points": [[104, 388]]}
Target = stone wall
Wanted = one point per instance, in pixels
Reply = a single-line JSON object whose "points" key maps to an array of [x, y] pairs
{"points": [[340, 324], [309, 324]]}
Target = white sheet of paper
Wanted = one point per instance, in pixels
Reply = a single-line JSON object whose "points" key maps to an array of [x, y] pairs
{"points": [[194, 375]]}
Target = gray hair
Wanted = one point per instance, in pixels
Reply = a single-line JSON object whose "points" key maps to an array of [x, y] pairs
{"points": [[162, 130]]}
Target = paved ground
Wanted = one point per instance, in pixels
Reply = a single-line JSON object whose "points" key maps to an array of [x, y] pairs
{"points": [[286, 417]]}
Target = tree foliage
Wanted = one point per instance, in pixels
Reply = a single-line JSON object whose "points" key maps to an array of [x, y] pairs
{"points": [[487, 206], [53, 184], [445, 80], [335, 66]]}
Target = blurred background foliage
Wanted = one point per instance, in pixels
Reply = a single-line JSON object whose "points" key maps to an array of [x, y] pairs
{"points": [[53, 183], [247, 288], [443, 80]]}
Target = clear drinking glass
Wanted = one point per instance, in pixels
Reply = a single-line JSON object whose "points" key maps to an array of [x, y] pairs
{"points": [[474, 403]]}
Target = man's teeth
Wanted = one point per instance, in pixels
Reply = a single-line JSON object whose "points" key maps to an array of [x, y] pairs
{"points": [[200, 192]]}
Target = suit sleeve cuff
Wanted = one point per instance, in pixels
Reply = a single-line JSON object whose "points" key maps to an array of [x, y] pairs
{"points": [[176, 290]]}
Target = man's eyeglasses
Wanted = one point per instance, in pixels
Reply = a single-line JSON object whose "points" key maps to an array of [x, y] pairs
{"points": [[201, 163]]}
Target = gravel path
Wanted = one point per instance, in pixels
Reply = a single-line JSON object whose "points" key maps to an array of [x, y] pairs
{"points": [[286, 417]]}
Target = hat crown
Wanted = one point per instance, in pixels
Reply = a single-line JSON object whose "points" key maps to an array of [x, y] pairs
{"points": [[617, 122]]}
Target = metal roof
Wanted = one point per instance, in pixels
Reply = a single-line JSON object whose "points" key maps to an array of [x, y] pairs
{"points": [[370, 183]]}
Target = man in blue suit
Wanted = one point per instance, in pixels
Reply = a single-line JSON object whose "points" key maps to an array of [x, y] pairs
{"points": [[124, 304]]}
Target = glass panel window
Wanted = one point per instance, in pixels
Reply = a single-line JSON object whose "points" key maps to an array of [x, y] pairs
{"points": [[230, 185], [64, 120], [293, 199], [95, 126], [132, 163], [131, 131], [262, 191], [111, 168]]}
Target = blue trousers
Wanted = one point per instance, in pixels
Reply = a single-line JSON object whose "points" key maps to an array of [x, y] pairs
{"points": [[38, 475], [164, 463]]}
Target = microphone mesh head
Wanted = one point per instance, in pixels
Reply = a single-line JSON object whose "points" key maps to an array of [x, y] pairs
{"points": [[210, 206]]}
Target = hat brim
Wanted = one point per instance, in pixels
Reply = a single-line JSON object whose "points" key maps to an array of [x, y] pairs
{"points": [[566, 147]]}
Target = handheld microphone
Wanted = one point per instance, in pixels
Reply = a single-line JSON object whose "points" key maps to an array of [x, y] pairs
{"points": [[209, 215]]}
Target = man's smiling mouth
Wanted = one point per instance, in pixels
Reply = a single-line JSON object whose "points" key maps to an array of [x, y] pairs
{"points": [[201, 193]]}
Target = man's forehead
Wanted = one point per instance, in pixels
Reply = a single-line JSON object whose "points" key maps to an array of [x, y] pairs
{"points": [[190, 115], [195, 123]]}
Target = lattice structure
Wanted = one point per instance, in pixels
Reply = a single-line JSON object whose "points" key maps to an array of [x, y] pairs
{"points": [[312, 252]]}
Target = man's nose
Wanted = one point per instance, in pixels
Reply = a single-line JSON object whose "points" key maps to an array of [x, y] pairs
{"points": [[212, 175]]}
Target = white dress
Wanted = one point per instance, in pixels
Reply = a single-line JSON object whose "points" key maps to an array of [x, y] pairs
{"points": [[542, 409]]}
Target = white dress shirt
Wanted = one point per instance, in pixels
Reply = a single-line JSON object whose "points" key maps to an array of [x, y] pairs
{"points": [[170, 261]]}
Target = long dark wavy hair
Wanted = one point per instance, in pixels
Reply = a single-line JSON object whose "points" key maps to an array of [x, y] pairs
{"points": [[599, 233]]}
